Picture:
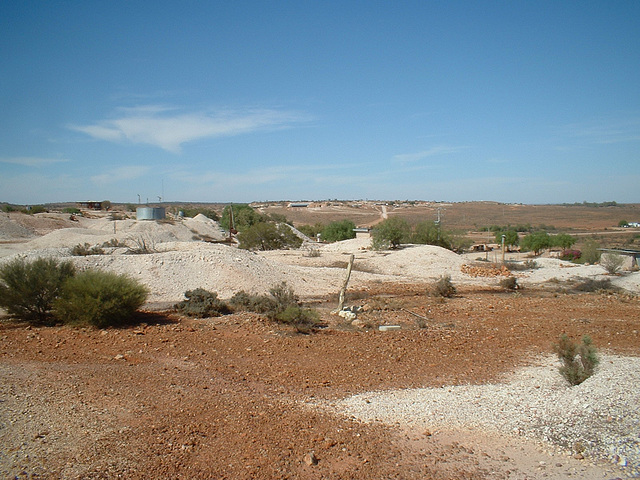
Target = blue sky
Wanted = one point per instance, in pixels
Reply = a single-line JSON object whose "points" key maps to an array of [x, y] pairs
{"points": [[532, 102]]}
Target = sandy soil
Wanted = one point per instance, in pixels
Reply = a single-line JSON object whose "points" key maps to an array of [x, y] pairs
{"points": [[239, 397]]}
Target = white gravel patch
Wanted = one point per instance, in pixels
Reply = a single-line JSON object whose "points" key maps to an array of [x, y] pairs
{"points": [[599, 418]]}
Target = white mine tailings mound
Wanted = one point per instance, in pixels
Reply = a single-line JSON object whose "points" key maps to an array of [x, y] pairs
{"points": [[182, 255]]}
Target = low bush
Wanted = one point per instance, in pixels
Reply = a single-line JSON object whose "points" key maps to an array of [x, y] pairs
{"points": [[29, 288], [509, 283], [570, 255], [100, 299], [612, 263], [303, 319], [519, 267], [578, 361], [201, 303], [82, 250], [443, 287], [593, 285], [244, 301], [281, 304]]}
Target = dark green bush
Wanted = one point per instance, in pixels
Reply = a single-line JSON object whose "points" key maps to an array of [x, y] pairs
{"points": [[578, 361], [100, 299], [252, 303], [202, 303], [443, 287], [29, 288], [338, 230]]}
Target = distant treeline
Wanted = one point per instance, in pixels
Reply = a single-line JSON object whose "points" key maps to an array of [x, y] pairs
{"points": [[591, 204]]}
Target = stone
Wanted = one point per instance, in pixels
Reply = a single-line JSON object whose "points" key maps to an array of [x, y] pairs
{"points": [[310, 459]]}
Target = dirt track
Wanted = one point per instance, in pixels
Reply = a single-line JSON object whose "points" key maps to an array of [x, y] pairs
{"points": [[224, 398]]}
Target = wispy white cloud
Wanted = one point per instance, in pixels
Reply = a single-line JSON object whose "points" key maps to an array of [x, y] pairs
{"points": [[432, 152], [32, 161], [169, 128], [604, 130], [130, 172]]}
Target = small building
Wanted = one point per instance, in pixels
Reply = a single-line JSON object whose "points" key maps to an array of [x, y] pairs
{"points": [[150, 213], [298, 205], [90, 205]]}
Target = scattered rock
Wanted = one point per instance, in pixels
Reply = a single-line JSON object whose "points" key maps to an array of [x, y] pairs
{"points": [[311, 459]]}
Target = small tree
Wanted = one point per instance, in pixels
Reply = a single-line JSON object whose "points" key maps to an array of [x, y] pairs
{"points": [[390, 233], [536, 242], [563, 241], [430, 233], [578, 361], [268, 236], [243, 217], [511, 237], [28, 289], [338, 231]]}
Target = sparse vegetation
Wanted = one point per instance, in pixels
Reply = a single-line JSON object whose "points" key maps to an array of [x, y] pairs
{"points": [[509, 283], [280, 305], [578, 361], [590, 285], [590, 252], [612, 263], [443, 287], [99, 299], [83, 250], [201, 303], [28, 289]]}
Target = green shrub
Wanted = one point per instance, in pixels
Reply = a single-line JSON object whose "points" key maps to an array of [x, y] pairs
{"points": [[281, 304], [590, 252], [390, 233], [303, 319], [100, 299], [201, 303], [443, 287], [578, 361], [268, 236], [283, 297], [29, 288], [339, 230], [252, 303]]}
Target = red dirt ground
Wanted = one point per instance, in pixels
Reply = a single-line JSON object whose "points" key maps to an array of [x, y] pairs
{"points": [[221, 398]]}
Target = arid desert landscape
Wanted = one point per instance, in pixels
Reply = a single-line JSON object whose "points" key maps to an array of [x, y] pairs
{"points": [[462, 387]]}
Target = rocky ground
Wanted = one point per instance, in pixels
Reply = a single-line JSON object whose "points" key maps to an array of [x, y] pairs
{"points": [[466, 388]]}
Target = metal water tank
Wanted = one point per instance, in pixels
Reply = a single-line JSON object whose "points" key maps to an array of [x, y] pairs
{"points": [[150, 213]]}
